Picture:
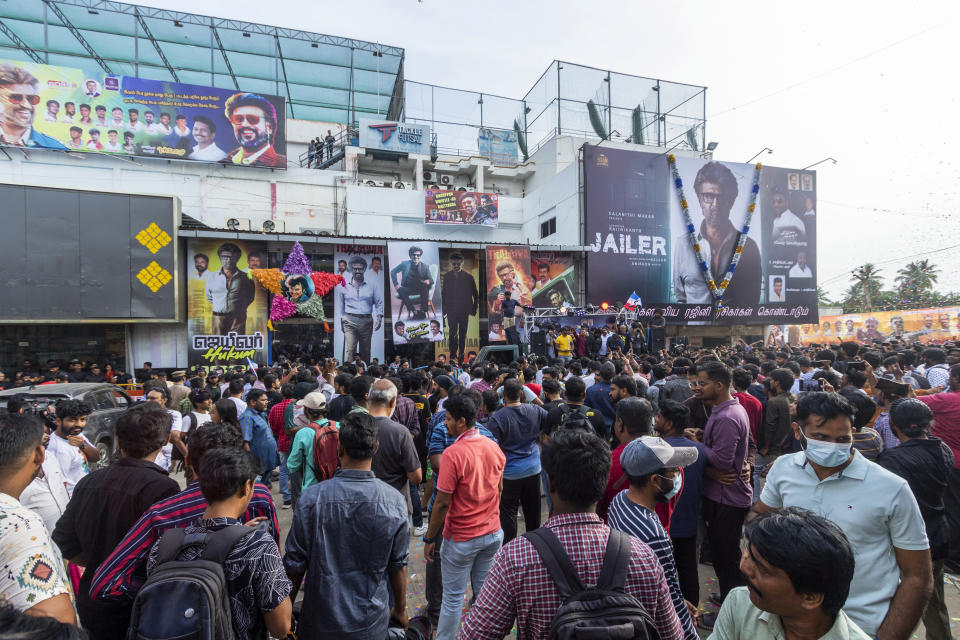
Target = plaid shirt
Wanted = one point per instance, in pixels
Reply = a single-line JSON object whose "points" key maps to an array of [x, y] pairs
{"points": [[406, 414], [275, 420], [519, 587]]}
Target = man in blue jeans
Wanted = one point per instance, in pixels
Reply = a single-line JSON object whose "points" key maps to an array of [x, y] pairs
{"points": [[467, 510]]}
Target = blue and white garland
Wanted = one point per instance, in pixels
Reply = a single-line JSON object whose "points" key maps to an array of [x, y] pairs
{"points": [[716, 290]]}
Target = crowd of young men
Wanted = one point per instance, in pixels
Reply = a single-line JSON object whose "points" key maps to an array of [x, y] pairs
{"points": [[837, 464]]}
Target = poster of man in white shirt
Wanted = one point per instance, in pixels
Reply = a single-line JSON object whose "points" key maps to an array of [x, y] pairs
{"points": [[801, 269], [358, 306]]}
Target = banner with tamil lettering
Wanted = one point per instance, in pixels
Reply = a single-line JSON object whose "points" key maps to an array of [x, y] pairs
{"points": [[227, 311], [89, 111]]}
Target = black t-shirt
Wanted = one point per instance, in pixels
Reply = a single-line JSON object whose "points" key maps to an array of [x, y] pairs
{"points": [[555, 417], [274, 397], [509, 308], [395, 455]]}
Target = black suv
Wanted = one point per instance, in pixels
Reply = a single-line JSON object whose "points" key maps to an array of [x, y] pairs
{"points": [[107, 401]]}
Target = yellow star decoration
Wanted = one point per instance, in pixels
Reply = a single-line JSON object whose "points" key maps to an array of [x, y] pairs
{"points": [[154, 276], [153, 238]]}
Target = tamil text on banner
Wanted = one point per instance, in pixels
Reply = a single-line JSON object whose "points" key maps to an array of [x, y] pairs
{"points": [[416, 302], [358, 304], [912, 325], [554, 279], [499, 145], [641, 239], [508, 269], [459, 276], [445, 206], [89, 111], [227, 311]]}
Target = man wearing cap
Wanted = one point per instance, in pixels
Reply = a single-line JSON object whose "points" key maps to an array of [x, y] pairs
{"points": [[300, 458], [178, 390], [653, 468]]}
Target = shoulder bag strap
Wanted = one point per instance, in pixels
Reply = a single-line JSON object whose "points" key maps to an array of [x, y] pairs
{"points": [[558, 563], [616, 561], [220, 544], [170, 544]]}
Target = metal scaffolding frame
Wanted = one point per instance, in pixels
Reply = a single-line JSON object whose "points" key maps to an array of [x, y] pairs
{"points": [[76, 34]]}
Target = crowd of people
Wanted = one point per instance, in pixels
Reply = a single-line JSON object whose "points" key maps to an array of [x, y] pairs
{"points": [[821, 483]]}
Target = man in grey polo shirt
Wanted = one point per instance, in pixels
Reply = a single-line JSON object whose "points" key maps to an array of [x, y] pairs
{"points": [[875, 509]]}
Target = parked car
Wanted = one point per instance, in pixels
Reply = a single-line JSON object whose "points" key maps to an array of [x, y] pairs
{"points": [[108, 401]]}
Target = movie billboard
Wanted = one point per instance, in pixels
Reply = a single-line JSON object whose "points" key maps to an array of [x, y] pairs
{"points": [[89, 111], [554, 279], [459, 278], [445, 206], [499, 145], [508, 270], [415, 295], [912, 325], [358, 311], [641, 241], [227, 311]]}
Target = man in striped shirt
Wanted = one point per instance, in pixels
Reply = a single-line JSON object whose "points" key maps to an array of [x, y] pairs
{"points": [[652, 466], [122, 574]]}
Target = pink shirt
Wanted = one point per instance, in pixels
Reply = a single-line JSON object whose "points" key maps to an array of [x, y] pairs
{"points": [[946, 419], [471, 469]]}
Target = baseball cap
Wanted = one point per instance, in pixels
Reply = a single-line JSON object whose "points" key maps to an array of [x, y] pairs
{"points": [[313, 400], [648, 454]]}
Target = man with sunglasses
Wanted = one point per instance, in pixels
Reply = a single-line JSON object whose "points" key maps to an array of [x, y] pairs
{"points": [[19, 97], [254, 121], [413, 287]]}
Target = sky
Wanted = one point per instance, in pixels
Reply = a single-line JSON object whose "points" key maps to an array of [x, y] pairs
{"points": [[871, 85]]}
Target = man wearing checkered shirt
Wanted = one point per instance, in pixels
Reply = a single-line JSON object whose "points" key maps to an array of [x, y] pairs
{"points": [[518, 587]]}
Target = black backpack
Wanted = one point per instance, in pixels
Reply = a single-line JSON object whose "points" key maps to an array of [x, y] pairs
{"points": [[187, 599], [603, 611], [575, 417]]}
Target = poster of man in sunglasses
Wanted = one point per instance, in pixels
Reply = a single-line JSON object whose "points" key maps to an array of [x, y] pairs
{"points": [[19, 97], [254, 121]]}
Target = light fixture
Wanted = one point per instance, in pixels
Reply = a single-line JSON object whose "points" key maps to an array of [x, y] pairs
{"points": [[268, 226], [580, 312], [177, 23], [712, 145], [603, 305], [563, 311], [233, 224], [314, 45], [767, 149], [832, 160], [246, 35], [590, 308]]}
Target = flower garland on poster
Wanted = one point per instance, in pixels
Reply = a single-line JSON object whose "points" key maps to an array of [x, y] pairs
{"points": [[715, 289], [297, 288]]}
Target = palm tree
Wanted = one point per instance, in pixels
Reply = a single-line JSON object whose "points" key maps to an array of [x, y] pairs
{"points": [[867, 284], [916, 280]]}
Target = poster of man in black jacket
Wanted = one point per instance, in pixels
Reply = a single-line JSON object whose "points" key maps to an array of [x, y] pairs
{"points": [[460, 301]]}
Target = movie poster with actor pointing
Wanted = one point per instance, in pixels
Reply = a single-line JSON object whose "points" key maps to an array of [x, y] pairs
{"points": [[415, 292]]}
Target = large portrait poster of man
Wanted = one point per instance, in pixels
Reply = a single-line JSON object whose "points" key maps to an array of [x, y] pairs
{"points": [[358, 307], [508, 288], [554, 279], [459, 277], [416, 300], [227, 311]]}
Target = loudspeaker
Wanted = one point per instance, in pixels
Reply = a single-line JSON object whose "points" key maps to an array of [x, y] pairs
{"points": [[538, 339]]}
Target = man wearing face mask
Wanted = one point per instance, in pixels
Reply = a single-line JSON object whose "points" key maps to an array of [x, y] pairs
{"points": [[34, 580], [892, 578], [653, 468]]}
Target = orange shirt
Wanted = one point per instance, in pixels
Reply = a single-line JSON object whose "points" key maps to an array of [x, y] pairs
{"points": [[471, 470]]}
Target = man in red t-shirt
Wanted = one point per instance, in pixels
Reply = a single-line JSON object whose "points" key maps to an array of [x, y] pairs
{"points": [[634, 418], [946, 426], [467, 510]]}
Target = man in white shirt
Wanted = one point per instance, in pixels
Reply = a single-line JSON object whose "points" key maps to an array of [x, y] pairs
{"points": [[160, 395], [34, 578], [68, 444], [787, 226], [204, 131], [47, 494], [117, 118], [134, 124], [181, 128], [801, 270], [53, 108], [112, 143], [876, 510], [69, 111]]}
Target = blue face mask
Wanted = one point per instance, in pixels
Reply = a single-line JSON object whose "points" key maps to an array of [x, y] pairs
{"points": [[677, 485], [827, 454]]}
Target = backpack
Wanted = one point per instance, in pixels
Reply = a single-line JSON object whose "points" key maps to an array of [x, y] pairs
{"points": [[325, 458], [187, 599], [576, 417], [601, 611]]}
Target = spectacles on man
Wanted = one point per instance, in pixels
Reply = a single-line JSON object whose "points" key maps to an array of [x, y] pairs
{"points": [[417, 255], [710, 198], [17, 98], [238, 118]]}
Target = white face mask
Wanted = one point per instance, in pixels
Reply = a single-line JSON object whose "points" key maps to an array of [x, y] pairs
{"points": [[677, 481], [827, 454]]}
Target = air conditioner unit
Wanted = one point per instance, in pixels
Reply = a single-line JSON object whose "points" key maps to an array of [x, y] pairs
{"points": [[314, 231], [461, 188], [446, 180], [429, 176], [399, 185], [238, 224], [373, 183], [274, 226], [471, 188]]}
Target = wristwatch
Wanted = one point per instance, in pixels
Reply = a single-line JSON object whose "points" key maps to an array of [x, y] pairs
{"points": [[427, 540]]}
